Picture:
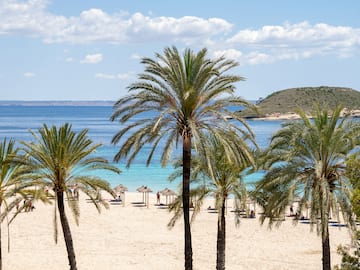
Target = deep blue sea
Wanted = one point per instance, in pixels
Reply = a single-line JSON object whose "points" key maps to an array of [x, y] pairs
{"points": [[15, 122]]}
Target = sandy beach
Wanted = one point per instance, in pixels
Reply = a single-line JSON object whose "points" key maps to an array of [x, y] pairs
{"points": [[137, 237]]}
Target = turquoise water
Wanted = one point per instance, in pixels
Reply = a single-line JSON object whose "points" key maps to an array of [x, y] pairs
{"points": [[15, 122]]}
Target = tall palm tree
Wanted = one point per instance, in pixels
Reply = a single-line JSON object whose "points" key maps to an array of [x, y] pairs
{"points": [[306, 159], [187, 96], [60, 157], [12, 182], [214, 174]]}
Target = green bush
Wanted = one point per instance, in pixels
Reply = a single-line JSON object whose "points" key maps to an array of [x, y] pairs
{"points": [[349, 261]]}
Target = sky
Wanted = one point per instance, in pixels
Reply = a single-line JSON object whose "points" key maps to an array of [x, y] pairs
{"points": [[91, 49]]}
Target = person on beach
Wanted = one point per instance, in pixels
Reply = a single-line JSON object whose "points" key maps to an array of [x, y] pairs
{"points": [[191, 204], [158, 197], [28, 205], [291, 211], [25, 205]]}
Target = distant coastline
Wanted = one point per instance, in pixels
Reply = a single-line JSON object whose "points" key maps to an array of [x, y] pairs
{"points": [[56, 103], [294, 116]]}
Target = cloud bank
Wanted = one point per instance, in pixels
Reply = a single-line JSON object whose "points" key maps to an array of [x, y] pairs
{"points": [[295, 41], [267, 44], [31, 18]]}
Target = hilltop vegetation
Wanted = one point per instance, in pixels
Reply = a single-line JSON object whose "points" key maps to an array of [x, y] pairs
{"points": [[287, 101]]}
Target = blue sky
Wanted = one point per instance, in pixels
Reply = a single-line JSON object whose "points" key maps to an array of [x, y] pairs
{"points": [[91, 50]]}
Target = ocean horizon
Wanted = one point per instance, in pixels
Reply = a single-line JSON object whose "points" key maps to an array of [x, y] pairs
{"points": [[57, 102]]}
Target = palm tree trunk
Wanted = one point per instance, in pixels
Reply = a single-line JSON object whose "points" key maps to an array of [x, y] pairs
{"points": [[186, 201], [324, 212], [66, 231], [326, 249], [220, 259]]}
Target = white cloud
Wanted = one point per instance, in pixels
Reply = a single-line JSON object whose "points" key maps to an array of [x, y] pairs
{"points": [[135, 56], [256, 58], [296, 41], [120, 76], [29, 74], [230, 54], [31, 18], [302, 32], [105, 76], [252, 58], [69, 59], [92, 58]]}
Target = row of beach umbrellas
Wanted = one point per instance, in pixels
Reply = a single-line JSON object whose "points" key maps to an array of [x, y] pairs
{"points": [[145, 190], [170, 195]]}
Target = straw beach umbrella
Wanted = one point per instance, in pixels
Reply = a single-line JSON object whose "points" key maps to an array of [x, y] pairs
{"points": [[120, 189], [141, 189], [168, 193], [145, 191]]}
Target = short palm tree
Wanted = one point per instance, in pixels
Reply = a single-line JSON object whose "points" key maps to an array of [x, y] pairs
{"points": [[214, 174], [60, 157], [13, 185], [187, 96], [306, 159]]}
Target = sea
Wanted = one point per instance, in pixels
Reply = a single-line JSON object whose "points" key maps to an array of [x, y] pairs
{"points": [[17, 119]]}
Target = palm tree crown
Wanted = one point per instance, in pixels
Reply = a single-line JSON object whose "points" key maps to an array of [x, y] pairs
{"points": [[188, 97], [185, 97], [306, 159]]}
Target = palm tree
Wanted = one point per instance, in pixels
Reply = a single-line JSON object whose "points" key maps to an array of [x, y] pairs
{"points": [[12, 182], [59, 158], [187, 97], [306, 159], [214, 174]]}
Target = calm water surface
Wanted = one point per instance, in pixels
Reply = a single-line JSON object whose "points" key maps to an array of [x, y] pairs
{"points": [[16, 121]]}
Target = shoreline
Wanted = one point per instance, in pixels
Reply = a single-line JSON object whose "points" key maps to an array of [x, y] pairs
{"points": [[295, 116]]}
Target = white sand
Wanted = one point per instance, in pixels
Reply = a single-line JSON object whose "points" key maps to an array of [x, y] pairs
{"points": [[137, 238]]}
